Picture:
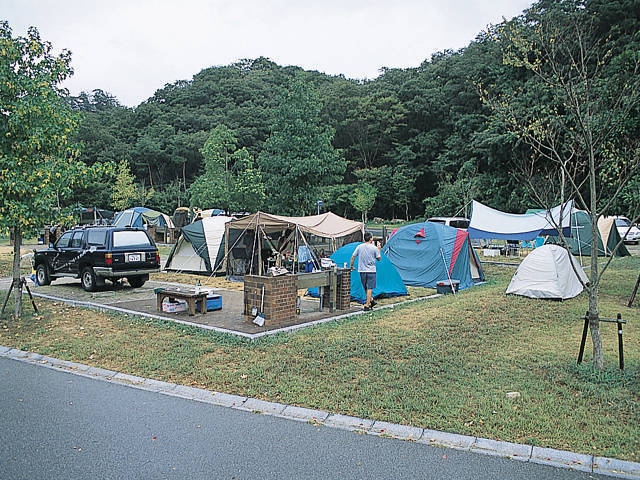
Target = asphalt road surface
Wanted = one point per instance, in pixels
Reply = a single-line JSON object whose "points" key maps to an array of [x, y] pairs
{"points": [[56, 425]]}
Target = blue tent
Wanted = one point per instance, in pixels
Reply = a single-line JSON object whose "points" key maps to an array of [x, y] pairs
{"points": [[140, 216], [388, 282], [427, 253]]}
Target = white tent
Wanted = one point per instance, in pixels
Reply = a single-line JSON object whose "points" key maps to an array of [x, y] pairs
{"points": [[547, 273], [487, 222]]}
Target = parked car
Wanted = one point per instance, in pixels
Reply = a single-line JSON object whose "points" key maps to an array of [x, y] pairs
{"points": [[456, 222], [624, 225], [96, 254]]}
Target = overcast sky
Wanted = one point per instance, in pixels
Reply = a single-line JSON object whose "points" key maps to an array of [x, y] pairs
{"points": [[131, 48]]}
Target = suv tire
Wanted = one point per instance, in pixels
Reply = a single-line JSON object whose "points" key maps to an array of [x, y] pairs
{"points": [[88, 279], [42, 275]]}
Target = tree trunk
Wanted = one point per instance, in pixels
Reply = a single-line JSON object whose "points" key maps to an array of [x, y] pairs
{"points": [[17, 285], [594, 316]]}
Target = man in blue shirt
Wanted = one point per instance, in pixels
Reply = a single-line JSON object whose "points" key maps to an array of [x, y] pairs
{"points": [[368, 254]]}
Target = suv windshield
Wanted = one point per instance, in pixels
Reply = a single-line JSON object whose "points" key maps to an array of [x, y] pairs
{"points": [[620, 222], [130, 238]]}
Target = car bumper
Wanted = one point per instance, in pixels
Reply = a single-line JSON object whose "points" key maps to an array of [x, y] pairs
{"points": [[106, 272]]}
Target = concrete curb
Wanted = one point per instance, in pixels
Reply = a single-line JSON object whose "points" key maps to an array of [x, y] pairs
{"points": [[525, 453]]}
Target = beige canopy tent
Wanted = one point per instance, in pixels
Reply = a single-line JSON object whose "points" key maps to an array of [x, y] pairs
{"points": [[260, 240]]}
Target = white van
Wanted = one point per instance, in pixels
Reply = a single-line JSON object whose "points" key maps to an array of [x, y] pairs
{"points": [[456, 222]]}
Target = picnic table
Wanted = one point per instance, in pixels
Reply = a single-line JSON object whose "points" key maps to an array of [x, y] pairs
{"points": [[191, 296]]}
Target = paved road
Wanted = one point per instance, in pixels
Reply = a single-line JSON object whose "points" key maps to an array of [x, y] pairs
{"points": [[57, 425]]}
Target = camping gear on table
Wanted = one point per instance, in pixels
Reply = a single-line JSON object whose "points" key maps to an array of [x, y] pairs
{"points": [[259, 241]]}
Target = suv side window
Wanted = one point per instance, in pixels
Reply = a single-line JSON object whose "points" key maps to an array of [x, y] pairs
{"points": [[76, 241], [64, 240], [97, 237]]}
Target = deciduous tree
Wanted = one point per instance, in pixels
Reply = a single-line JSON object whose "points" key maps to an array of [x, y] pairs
{"points": [[298, 159], [37, 160], [577, 111]]}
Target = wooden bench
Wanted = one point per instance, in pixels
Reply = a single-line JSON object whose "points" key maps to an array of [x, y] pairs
{"points": [[190, 296]]}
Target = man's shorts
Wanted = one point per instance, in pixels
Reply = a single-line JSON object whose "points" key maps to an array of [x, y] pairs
{"points": [[368, 280]]}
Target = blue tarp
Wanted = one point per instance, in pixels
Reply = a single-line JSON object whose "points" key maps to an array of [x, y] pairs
{"points": [[388, 281], [427, 253]]}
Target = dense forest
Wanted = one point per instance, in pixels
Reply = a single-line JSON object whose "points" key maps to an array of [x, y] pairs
{"points": [[411, 143]]}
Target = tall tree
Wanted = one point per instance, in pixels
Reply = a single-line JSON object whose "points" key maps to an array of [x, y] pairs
{"points": [[298, 159], [126, 193], [364, 196], [37, 166], [577, 111], [230, 180]]}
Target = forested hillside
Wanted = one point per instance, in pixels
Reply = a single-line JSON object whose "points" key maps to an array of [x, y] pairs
{"points": [[413, 142]]}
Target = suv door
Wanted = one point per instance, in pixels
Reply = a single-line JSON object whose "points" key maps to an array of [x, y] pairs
{"points": [[68, 249]]}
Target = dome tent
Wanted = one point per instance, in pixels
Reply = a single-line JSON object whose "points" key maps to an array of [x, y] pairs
{"points": [[579, 243], [200, 248], [141, 216], [427, 253], [388, 281], [547, 272]]}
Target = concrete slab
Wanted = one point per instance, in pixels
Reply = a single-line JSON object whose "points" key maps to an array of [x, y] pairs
{"points": [[142, 301], [449, 440], [347, 422]]}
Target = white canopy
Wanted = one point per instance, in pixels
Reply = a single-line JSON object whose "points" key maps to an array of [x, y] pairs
{"points": [[327, 225], [246, 237], [487, 222]]}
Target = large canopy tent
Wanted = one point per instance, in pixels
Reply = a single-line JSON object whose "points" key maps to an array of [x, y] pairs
{"points": [[488, 223], [579, 243], [427, 253], [260, 240], [141, 216], [200, 248]]}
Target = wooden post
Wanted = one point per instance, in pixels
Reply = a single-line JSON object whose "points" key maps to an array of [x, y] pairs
{"points": [[620, 350], [635, 290], [584, 337], [617, 320]]}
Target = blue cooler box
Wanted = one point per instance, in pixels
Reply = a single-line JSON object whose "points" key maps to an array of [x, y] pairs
{"points": [[214, 302]]}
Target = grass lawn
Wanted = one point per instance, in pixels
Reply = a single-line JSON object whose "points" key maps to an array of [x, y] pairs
{"points": [[445, 364]]}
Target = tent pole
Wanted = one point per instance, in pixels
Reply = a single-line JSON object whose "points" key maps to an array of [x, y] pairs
{"points": [[446, 267]]}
